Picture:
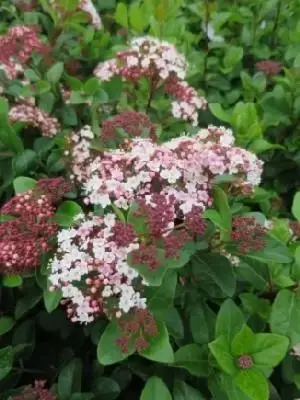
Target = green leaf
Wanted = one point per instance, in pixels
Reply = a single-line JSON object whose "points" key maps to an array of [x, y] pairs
{"points": [[202, 322], [217, 278], [285, 315], [254, 272], [260, 145], [296, 206], [52, 299], [183, 391], [22, 184], [161, 297], [217, 110], [121, 15], [91, 86], [243, 342], [82, 396], [269, 349], [6, 324], [27, 302], [69, 379], [171, 317], [255, 305], [230, 320], [193, 358], [253, 383], [12, 280], [155, 388], [6, 361], [107, 351], [54, 73], [24, 161], [221, 203], [138, 19], [106, 388], [66, 213], [233, 55], [160, 349], [228, 386], [8, 136], [220, 349]]}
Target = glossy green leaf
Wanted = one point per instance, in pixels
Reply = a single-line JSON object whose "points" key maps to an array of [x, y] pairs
{"points": [[269, 349], [243, 342], [12, 280], [67, 212], [183, 391], [193, 358], [155, 388], [52, 299], [55, 72]]}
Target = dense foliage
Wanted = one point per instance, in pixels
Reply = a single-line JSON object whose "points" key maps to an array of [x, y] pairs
{"points": [[149, 216]]}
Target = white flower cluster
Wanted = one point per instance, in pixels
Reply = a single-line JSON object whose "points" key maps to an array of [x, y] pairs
{"points": [[91, 268], [184, 168]]}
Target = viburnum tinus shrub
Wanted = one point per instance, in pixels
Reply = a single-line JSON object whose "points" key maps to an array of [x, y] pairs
{"points": [[137, 228]]}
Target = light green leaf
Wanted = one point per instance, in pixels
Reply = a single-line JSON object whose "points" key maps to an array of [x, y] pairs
{"points": [[155, 388], [296, 206], [22, 184], [221, 203], [220, 349], [243, 342], [12, 280], [230, 320], [121, 15], [253, 383], [269, 349]]}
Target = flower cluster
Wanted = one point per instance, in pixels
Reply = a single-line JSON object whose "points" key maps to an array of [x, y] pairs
{"points": [[248, 234], [135, 329], [245, 361], [36, 392], [184, 168], [269, 67], [26, 237], [34, 116], [159, 62], [16, 48], [134, 124], [91, 268]]}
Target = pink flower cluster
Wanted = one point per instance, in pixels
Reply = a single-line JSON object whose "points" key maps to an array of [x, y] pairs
{"points": [[16, 48], [36, 392], [184, 169], [34, 116], [159, 62], [91, 268], [134, 124], [26, 237]]}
